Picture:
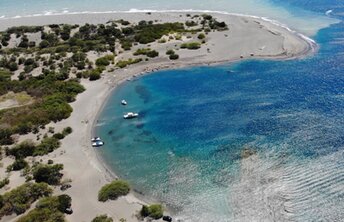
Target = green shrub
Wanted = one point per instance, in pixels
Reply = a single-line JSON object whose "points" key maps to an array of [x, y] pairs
{"points": [[125, 63], [94, 74], [113, 190], [201, 36], [174, 56], [58, 136], [22, 150], [152, 54], [191, 23], [49, 174], [170, 52], [66, 131], [154, 211], [102, 61], [48, 145], [4, 182], [49, 209], [13, 66], [142, 51], [191, 45], [20, 199], [18, 164], [102, 218], [44, 44]]}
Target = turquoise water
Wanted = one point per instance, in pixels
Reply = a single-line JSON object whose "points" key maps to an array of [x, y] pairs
{"points": [[186, 147], [302, 20]]}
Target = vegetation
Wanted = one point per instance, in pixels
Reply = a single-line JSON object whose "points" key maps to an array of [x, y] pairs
{"points": [[28, 148], [20, 199], [49, 174], [154, 211], [201, 36], [113, 190], [125, 63], [49, 209], [17, 165], [174, 57], [51, 104], [102, 218], [146, 32], [4, 182], [191, 45], [170, 52], [105, 61]]}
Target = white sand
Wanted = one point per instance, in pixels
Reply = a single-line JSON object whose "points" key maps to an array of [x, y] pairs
{"points": [[246, 36]]}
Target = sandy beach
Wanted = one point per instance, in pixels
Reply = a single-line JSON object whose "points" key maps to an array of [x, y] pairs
{"points": [[247, 38]]}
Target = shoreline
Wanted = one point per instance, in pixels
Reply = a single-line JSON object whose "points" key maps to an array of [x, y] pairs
{"points": [[87, 168]]}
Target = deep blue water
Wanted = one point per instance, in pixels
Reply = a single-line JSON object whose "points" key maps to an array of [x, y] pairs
{"points": [[186, 147]]}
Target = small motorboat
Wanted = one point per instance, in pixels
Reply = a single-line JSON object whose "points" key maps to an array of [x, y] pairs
{"points": [[95, 139], [130, 115], [98, 144], [123, 102]]}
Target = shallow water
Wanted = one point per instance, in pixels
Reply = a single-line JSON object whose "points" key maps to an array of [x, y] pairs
{"points": [[186, 148]]}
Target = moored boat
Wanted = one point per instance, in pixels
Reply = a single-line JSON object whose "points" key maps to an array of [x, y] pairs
{"points": [[130, 115], [123, 102]]}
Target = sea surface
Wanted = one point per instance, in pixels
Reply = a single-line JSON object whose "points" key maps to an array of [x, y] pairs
{"points": [[250, 141]]}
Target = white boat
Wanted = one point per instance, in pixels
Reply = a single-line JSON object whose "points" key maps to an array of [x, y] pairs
{"points": [[95, 139], [123, 102], [98, 144], [130, 115]]}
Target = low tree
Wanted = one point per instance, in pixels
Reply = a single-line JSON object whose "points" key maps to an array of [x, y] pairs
{"points": [[49, 174], [113, 190]]}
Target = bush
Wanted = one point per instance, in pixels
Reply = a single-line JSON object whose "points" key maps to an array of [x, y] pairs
{"points": [[47, 145], [142, 51], [20, 199], [152, 54], [3, 183], [125, 63], [22, 150], [44, 44], [170, 52], [49, 174], [174, 56], [49, 209], [102, 61], [191, 45], [66, 131], [113, 190], [17, 165], [94, 75], [201, 36], [13, 66], [154, 211], [58, 136], [102, 218]]}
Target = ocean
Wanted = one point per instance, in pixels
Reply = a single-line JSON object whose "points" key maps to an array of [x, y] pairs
{"points": [[250, 141]]}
